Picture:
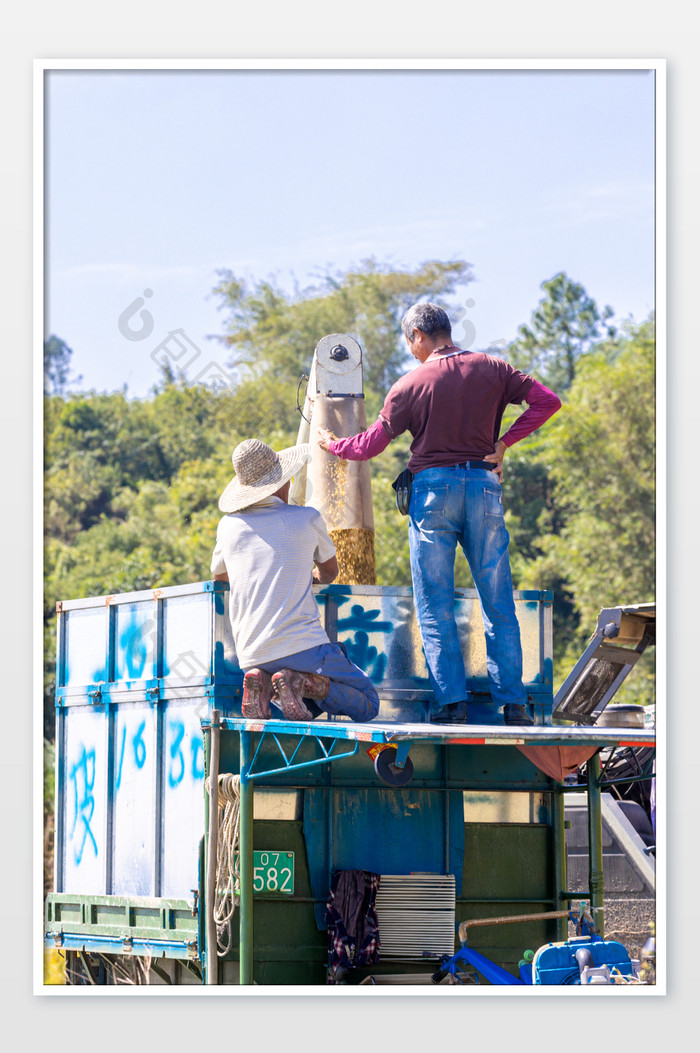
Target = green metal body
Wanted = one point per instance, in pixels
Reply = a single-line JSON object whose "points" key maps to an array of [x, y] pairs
{"points": [[595, 844], [141, 677], [511, 862], [246, 862]]}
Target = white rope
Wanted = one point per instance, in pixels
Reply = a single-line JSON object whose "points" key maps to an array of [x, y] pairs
{"points": [[227, 891]]}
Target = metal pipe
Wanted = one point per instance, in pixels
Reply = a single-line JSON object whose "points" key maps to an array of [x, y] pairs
{"points": [[213, 833], [560, 857], [245, 862], [464, 925], [341, 490], [297, 490], [595, 842]]}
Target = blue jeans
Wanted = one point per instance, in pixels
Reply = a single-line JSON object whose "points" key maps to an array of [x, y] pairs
{"points": [[451, 505], [351, 694]]}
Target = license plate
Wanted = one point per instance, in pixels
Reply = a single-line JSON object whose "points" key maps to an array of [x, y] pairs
{"points": [[273, 872]]}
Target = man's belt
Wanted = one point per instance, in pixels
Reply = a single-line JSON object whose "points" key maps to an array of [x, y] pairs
{"points": [[474, 464]]}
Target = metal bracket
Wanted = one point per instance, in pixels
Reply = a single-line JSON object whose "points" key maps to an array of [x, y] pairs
{"points": [[644, 773], [153, 694], [161, 972], [402, 750], [289, 761]]}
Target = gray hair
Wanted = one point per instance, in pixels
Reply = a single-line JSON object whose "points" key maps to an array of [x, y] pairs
{"points": [[427, 317]]}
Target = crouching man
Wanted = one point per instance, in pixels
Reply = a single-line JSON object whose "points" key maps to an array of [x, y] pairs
{"points": [[270, 553]]}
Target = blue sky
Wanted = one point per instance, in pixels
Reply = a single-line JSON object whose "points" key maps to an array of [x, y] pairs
{"points": [[156, 179]]}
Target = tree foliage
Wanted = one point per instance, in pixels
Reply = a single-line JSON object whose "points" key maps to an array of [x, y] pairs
{"points": [[57, 360], [131, 486], [600, 451], [602, 456], [271, 334], [564, 326]]}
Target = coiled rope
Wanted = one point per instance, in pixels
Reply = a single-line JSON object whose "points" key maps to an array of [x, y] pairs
{"points": [[227, 892]]}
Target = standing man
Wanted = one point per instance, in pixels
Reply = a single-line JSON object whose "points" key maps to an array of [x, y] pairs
{"points": [[270, 552], [453, 404]]}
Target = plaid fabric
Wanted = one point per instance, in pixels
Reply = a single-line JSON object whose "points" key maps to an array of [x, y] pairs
{"points": [[351, 919]]}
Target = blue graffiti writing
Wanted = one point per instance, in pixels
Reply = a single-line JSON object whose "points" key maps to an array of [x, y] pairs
{"points": [[368, 658], [197, 759], [361, 622], [139, 747], [134, 646], [359, 618], [82, 775], [121, 758], [176, 772]]}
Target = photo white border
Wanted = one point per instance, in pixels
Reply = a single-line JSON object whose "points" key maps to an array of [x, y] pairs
{"points": [[43, 66]]}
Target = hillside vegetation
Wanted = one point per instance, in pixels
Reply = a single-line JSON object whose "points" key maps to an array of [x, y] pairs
{"points": [[131, 485]]}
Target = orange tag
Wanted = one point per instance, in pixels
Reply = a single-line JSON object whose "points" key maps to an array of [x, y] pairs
{"points": [[375, 750]]}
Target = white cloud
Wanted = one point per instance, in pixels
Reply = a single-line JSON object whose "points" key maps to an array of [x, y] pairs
{"points": [[615, 200]]}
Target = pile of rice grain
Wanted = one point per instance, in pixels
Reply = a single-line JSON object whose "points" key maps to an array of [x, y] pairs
{"points": [[355, 553]]}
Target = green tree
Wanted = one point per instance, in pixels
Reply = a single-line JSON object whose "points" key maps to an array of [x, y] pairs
{"points": [[272, 334], [600, 449], [57, 358], [564, 326], [132, 485], [273, 337], [49, 828]]}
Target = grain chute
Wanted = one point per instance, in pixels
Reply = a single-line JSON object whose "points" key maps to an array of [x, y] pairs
{"points": [[340, 490]]}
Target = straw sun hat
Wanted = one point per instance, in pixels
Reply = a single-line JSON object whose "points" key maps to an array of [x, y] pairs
{"points": [[260, 471]]}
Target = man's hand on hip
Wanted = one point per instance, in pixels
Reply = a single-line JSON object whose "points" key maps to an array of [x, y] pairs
{"points": [[497, 458]]}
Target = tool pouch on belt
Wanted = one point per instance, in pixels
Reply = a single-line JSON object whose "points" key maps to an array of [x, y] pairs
{"points": [[402, 484]]}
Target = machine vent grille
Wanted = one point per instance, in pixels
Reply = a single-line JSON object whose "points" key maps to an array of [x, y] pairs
{"points": [[416, 916]]}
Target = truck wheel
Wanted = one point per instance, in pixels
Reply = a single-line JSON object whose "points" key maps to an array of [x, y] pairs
{"points": [[387, 770]]}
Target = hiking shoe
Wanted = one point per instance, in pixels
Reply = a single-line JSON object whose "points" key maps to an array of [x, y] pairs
{"points": [[257, 692], [292, 687], [515, 714], [453, 713]]}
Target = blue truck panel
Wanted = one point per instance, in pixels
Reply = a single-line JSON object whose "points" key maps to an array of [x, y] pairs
{"points": [[138, 673]]}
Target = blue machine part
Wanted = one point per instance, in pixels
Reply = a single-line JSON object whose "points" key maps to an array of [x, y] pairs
{"points": [[497, 975], [564, 963], [575, 961], [483, 965]]}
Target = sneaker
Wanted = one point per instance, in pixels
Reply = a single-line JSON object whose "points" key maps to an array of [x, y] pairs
{"points": [[515, 714], [257, 692], [454, 713], [292, 687]]}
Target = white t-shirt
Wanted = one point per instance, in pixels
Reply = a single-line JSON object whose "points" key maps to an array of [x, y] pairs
{"points": [[268, 551]]}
